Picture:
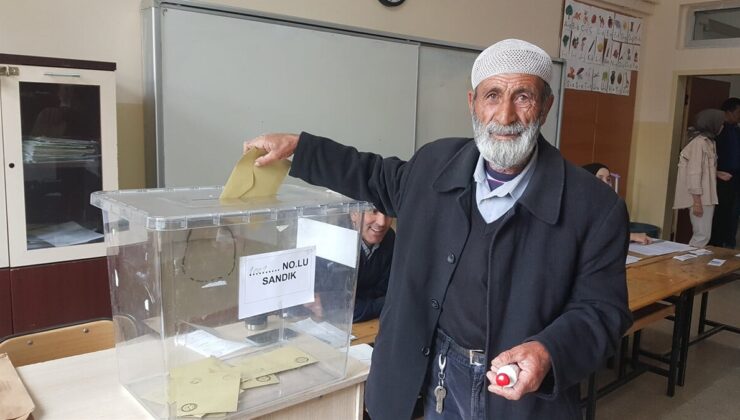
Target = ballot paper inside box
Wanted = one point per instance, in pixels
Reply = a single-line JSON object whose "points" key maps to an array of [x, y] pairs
{"points": [[197, 280]]}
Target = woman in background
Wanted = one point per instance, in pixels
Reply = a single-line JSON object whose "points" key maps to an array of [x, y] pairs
{"points": [[602, 172], [696, 185]]}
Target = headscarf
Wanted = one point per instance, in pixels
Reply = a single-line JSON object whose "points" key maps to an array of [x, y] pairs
{"points": [[708, 123], [595, 167]]}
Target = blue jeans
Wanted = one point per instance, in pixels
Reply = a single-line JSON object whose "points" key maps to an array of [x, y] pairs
{"points": [[464, 382]]}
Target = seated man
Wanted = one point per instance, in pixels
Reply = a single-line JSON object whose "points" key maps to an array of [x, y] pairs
{"points": [[373, 272], [375, 263]]}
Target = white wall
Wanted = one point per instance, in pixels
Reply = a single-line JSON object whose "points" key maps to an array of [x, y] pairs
{"points": [[665, 60], [99, 30]]}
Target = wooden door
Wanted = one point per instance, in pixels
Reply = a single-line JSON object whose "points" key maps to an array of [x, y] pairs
{"points": [[701, 94], [597, 127]]}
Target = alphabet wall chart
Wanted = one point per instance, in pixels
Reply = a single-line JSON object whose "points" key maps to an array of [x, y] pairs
{"points": [[601, 48]]}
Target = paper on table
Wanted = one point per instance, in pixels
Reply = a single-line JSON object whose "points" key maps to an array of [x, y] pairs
{"points": [[684, 257], [208, 344], [632, 259], [362, 352], [15, 403], [659, 248], [275, 361], [701, 252], [324, 331], [716, 262], [247, 180]]}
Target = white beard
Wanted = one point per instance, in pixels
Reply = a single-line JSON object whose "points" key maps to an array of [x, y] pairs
{"points": [[505, 154]]}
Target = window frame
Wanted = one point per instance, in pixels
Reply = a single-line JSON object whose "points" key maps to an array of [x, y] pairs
{"points": [[689, 19]]}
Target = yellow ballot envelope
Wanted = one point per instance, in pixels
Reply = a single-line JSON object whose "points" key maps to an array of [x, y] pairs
{"points": [[247, 180]]}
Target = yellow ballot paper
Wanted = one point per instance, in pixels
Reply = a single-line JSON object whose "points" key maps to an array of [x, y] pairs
{"points": [[259, 381], [205, 393], [247, 180], [280, 360], [203, 366]]}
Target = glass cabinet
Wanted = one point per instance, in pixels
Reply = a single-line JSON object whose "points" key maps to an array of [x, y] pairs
{"points": [[59, 145]]}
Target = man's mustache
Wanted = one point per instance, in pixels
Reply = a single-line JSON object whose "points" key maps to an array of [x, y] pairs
{"points": [[505, 130]]}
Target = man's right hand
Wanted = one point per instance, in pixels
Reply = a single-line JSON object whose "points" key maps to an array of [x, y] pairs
{"points": [[278, 146]]}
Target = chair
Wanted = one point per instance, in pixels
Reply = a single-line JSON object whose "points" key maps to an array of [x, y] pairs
{"points": [[58, 342]]}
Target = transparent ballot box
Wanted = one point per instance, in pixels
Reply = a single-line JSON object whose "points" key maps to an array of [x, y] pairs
{"points": [[229, 306]]}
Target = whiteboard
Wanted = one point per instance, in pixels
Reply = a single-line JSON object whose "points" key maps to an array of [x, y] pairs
{"points": [[444, 82], [217, 78], [226, 78]]}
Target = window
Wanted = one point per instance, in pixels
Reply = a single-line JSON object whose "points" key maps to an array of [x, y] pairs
{"points": [[713, 26]]}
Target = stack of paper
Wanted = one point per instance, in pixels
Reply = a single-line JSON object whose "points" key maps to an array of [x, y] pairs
{"points": [[63, 234], [632, 259], [211, 386], [659, 248], [50, 149]]}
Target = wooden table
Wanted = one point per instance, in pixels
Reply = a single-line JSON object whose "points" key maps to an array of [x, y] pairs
{"points": [[664, 277], [365, 331], [86, 387], [660, 278]]}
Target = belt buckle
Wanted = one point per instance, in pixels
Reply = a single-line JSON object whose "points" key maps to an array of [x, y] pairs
{"points": [[471, 354]]}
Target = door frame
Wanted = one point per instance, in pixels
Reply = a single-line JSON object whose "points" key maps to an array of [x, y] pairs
{"points": [[678, 117]]}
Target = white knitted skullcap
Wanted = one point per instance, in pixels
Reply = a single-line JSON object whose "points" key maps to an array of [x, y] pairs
{"points": [[511, 56]]}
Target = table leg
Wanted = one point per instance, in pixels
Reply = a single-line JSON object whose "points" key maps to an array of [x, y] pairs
{"points": [[676, 342], [686, 336], [703, 312], [622, 359], [591, 397], [636, 349]]}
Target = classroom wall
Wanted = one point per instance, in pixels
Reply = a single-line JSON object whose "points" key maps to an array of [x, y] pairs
{"points": [[664, 61], [110, 30], [100, 30]]}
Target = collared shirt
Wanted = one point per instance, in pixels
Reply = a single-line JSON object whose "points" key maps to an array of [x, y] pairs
{"points": [[494, 204], [368, 250]]}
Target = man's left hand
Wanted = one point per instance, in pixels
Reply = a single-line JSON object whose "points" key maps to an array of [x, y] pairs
{"points": [[534, 362]]}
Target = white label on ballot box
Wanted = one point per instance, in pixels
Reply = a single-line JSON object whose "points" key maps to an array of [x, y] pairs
{"points": [[332, 242], [275, 280]]}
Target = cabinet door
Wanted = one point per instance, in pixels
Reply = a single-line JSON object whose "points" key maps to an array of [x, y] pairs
{"points": [[54, 294], [59, 139], [6, 321]]}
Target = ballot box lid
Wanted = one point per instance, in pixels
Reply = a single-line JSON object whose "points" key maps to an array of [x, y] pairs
{"points": [[187, 208]]}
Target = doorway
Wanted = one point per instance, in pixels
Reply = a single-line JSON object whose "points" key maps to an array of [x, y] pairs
{"points": [[701, 92]]}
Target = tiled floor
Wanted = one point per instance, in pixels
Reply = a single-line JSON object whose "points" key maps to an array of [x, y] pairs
{"points": [[712, 389]]}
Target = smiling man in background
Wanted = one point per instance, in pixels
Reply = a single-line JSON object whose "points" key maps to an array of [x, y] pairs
{"points": [[375, 263]]}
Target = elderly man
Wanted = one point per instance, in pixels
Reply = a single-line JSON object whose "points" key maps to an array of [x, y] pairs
{"points": [[506, 254]]}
